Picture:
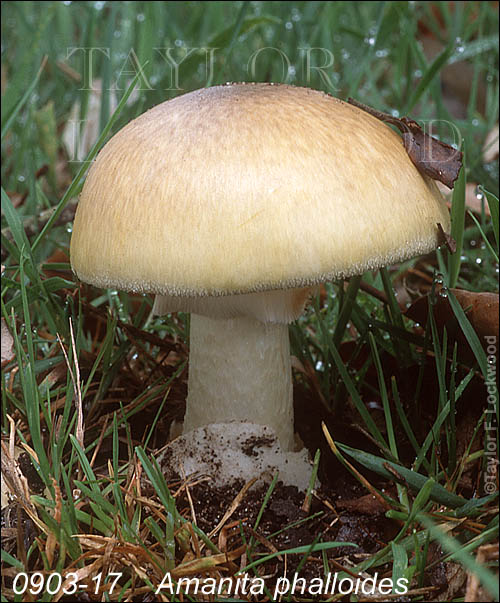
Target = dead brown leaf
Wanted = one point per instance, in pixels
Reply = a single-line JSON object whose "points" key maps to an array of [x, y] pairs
{"points": [[17, 198], [474, 591], [52, 539], [480, 308], [7, 344], [454, 577], [80, 135], [57, 375], [446, 239], [79, 575], [17, 485], [438, 160], [58, 257], [365, 505], [205, 564], [474, 199], [491, 147]]}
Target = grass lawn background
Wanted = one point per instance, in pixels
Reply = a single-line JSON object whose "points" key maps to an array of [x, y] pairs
{"points": [[395, 363]]}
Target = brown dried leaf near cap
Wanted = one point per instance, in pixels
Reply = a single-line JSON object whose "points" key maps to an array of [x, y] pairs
{"points": [[438, 160]]}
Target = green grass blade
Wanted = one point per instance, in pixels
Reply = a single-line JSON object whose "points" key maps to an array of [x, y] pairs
{"points": [[299, 550], [383, 394], [13, 114], [494, 211], [72, 190], [401, 346], [484, 237], [457, 227], [415, 480], [431, 71], [470, 334], [347, 307], [356, 398]]}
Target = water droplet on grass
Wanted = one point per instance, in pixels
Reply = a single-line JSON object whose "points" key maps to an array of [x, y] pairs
{"points": [[459, 45]]}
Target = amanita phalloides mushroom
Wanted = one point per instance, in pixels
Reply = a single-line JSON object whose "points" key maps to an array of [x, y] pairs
{"points": [[232, 203]]}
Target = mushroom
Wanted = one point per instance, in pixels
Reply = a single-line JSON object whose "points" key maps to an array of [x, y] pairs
{"points": [[232, 203]]}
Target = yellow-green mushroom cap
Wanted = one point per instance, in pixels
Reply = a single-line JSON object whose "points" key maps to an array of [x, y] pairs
{"points": [[245, 188]]}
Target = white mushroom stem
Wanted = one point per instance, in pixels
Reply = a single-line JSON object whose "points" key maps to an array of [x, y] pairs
{"points": [[239, 369]]}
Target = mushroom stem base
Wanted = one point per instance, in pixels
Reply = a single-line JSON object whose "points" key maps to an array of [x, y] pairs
{"points": [[239, 370]]}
